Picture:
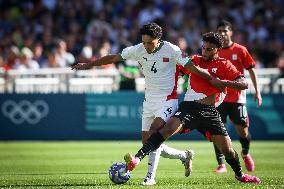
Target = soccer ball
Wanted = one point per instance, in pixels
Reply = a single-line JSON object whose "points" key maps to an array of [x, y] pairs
{"points": [[118, 173]]}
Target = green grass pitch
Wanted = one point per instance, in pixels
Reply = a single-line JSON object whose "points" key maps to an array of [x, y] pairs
{"points": [[85, 165]]}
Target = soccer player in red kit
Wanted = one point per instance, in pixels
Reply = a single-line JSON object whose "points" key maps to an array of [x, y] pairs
{"points": [[198, 111], [234, 104]]}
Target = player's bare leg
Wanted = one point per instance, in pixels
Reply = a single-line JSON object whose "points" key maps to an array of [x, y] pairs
{"points": [[155, 140], [173, 127], [185, 156], [165, 151], [245, 139], [225, 146], [221, 168]]}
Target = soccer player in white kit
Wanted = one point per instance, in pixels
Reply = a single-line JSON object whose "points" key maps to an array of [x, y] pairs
{"points": [[159, 61]]}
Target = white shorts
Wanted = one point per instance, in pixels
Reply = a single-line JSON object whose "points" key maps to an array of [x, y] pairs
{"points": [[164, 110]]}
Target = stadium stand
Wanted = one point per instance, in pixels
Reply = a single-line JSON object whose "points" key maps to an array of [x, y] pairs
{"points": [[40, 39], [65, 80]]}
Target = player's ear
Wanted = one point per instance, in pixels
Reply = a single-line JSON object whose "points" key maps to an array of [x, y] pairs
{"points": [[231, 33], [217, 51]]}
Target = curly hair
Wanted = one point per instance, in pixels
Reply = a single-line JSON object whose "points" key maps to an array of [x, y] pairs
{"points": [[152, 29], [214, 38]]}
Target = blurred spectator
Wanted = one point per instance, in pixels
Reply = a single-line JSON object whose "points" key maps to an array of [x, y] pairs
{"points": [[258, 62], [176, 16], [98, 30], [104, 50], [13, 57], [257, 31], [86, 54], [259, 25], [182, 44], [280, 65], [2, 63], [38, 54], [63, 58], [26, 60], [51, 61], [129, 71], [50, 4], [149, 13]]}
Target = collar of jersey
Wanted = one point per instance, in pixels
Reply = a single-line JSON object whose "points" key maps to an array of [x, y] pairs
{"points": [[157, 49], [229, 46]]}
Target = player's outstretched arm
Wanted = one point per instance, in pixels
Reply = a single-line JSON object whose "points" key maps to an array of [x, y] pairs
{"points": [[199, 71], [239, 83], [206, 75], [108, 59], [253, 77]]}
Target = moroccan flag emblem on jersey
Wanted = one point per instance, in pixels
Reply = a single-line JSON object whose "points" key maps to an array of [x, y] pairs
{"points": [[166, 59]]}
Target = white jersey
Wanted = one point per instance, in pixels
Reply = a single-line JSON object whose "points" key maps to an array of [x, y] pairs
{"points": [[159, 69]]}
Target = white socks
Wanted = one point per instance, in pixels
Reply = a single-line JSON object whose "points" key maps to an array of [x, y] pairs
{"points": [[166, 152], [172, 153], [153, 162]]}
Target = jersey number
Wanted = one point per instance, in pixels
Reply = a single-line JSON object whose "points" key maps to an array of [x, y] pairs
{"points": [[168, 111], [153, 69], [243, 111]]}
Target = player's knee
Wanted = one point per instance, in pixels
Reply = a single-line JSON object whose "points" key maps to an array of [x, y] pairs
{"points": [[243, 135], [170, 128], [242, 130], [246, 124], [145, 136], [228, 152], [154, 128]]}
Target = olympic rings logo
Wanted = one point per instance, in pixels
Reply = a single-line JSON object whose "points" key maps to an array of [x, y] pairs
{"points": [[23, 111]]}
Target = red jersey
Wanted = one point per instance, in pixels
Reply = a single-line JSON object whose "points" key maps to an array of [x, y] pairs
{"points": [[179, 70], [241, 59], [199, 88]]}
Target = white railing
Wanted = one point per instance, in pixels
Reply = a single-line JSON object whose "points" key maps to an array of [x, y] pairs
{"points": [[59, 80], [65, 80], [85, 85], [278, 86], [265, 72], [2, 85]]}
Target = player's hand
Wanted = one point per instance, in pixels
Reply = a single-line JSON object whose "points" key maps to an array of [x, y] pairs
{"points": [[80, 66], [258, 99], [218, 83]]}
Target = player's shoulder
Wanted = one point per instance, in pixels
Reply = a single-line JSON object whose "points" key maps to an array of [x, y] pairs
{"points": [[170, 46], [239, 47], [195, 57], [223, 61], [134, 48], [138, 46]]}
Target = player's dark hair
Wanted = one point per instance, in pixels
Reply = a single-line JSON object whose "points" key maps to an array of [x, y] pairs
{"points": [[214, 38], [152, 29], [225, 23]]}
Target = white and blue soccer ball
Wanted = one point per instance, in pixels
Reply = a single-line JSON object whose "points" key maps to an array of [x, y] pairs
{"points": [[118, 173]]}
